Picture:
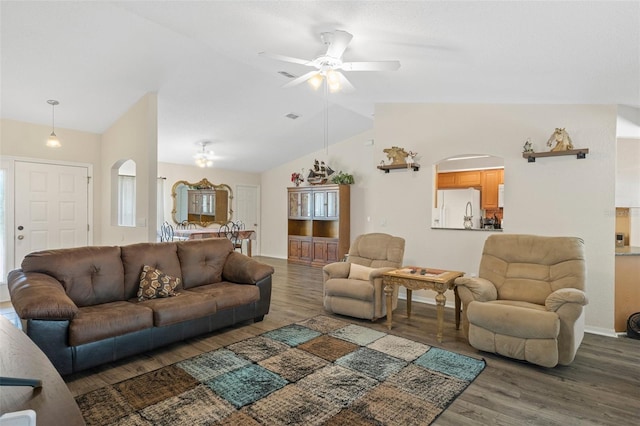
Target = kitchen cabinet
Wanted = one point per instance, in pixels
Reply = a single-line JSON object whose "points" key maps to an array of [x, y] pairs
{"points": [[627, 292], [490, 181], [487, 181], [318, 224], [464, 179]]}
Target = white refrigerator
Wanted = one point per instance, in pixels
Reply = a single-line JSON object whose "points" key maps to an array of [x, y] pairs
{"points": [[452, 205]]}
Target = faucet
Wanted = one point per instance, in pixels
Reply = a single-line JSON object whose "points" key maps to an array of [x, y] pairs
{"points": [[468, 215]]}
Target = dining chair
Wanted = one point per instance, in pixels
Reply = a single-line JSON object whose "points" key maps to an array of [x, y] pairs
{"points": [[166, 232]]}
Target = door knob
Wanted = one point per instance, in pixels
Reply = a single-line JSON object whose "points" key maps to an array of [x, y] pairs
{"points": [[20, 228], [21, 237]]}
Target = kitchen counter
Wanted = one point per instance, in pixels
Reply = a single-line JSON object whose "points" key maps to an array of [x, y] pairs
{"points": [[628, 251]]}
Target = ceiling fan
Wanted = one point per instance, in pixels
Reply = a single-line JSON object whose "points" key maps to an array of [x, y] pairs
{"points": [[329, 65]]}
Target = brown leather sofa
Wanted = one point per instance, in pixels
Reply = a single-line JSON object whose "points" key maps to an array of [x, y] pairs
{"points": [[79, 305]]}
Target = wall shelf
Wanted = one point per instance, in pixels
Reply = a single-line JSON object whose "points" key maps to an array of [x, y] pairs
{"points": [[579, 153], [387, 167]]}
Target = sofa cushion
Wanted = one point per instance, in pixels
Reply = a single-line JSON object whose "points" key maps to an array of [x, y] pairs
{"points": [[183, 307], [89, 275], [229, 295], [161, 256], [93, 323], [202, 261], [353, 289], [518, 319], [155, 283]]}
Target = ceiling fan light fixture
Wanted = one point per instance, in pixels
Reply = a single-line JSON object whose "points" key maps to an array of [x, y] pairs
{"points": [[316, 81], [333, 80], [52, 140], [205, 157]]}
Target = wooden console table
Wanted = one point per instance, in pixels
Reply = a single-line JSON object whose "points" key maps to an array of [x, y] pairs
{"points": [[417, 278], [21, 358]]}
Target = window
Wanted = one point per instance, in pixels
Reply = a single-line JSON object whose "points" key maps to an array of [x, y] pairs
{"points": [[126, 202]]}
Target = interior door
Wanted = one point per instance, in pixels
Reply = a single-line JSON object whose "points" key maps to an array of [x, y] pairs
{"points": [[51, 207], [247, 211]]}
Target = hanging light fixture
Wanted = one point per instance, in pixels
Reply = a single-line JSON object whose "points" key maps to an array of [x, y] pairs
{"points": [[53, 141], [204, 158]]}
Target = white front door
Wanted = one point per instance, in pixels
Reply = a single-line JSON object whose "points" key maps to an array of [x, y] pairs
{"points": [[247, 211], [51, 207]]}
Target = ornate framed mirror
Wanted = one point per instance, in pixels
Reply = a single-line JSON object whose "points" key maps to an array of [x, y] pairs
{"points": [[202, 203]]}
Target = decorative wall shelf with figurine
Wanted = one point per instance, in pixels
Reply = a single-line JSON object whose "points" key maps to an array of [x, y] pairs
{"points": [[387, 167], [579, 153]]}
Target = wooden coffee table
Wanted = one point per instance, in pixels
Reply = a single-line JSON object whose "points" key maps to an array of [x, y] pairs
{"points": [[419, 278]]}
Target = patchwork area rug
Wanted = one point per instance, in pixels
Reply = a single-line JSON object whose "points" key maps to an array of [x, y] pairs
{"points": [[321, 371]]}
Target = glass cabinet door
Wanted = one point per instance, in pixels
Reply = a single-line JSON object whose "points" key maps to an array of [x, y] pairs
{"points": [[305, 204], [300, 204], [319, 204], [325, 204], [332, 204], [294, 209]]}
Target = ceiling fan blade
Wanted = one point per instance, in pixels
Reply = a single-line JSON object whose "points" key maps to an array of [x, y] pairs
{"points": [[287, 58], [339, 43], [371, 66], [301, 79]]}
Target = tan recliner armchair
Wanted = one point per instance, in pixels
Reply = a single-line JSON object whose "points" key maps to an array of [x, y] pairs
{"points": [[354, 288], [527, 301]]}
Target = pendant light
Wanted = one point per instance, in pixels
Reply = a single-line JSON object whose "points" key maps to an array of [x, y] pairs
{"points": [[53, 141]]}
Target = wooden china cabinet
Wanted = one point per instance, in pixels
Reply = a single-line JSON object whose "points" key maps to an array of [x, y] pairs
{"points": [[318, 223]]}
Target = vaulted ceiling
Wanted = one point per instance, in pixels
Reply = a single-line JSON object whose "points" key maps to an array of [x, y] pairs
{"points": [[201, 57]]}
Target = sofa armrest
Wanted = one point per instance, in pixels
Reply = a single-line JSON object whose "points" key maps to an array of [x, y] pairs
{"points": [[379, 272], [335, 270], [242, 269], [39, 296], [565, 295], [475, 288]]}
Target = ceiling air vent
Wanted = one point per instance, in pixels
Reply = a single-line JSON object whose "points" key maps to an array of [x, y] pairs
{"points": [[286, 74], [292, 116]]}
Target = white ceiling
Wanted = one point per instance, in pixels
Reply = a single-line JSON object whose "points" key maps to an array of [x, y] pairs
{"points": [[201, 57]]}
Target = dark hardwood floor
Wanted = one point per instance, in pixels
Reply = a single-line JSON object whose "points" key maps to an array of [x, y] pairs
{"points": [[602, 385]]}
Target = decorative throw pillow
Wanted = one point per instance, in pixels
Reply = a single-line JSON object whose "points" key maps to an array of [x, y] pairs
{"points": [[155, 283], [359, 272]]}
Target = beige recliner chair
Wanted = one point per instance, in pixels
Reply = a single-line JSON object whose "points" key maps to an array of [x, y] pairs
{"points": [[354, 288], [527, 301]]}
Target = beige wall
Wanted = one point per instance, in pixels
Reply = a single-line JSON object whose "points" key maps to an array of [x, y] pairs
{"points": [[628, 173], [133, 136], [554, 196], [27, 140]]}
